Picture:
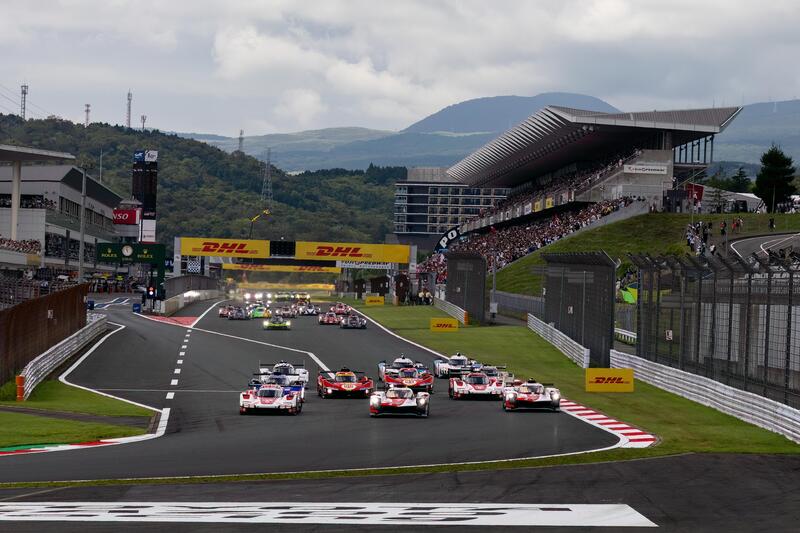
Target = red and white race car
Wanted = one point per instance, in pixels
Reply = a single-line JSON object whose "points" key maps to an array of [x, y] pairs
{"points": [[344, 382], [414, 377], [224, 310], [399, 401], [329, 319], [340, 308], [269, 397], [476, 385], [531, 395]]}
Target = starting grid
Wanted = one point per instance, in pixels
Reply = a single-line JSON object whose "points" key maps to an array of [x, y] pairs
{"points": [[394, 514]]}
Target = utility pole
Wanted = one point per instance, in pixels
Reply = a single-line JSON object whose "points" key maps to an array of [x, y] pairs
{"points": [[22, 98], [88, 107], [241, 141], [100, 178], [266, 183], [128, 115], [144, 119], [84, 165]]}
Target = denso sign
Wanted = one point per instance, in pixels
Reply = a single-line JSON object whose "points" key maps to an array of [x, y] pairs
{"points": [[191, 246], [126, 216]]}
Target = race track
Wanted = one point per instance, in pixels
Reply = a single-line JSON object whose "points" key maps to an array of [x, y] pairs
{"points": [[206, 434]]}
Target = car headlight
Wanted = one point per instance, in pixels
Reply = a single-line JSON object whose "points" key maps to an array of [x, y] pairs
{"points": [[510, 397], [422, 401], [266, 323], [288, 323], [329, 390], [259, 295], [555, 396], [374, 401]]}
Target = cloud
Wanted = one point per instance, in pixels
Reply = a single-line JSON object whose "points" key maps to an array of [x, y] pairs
{"points": [[301, 106]]}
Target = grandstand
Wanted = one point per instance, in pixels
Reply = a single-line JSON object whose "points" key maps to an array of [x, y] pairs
{"points": [[569, 168]]}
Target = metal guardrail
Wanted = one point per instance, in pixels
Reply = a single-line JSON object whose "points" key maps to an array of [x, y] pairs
{"points": [[577, 353], [747, 406], [520, 303], [451, 309], [38, 369], [623, 335]]}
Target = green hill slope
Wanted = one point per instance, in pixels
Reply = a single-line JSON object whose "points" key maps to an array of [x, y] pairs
{"points": [[659, 233], [204, 191]]}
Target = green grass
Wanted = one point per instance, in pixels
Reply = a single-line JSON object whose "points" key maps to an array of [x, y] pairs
{"points": [[659, 233], [56, 396], [18, 429], [682, 425]]}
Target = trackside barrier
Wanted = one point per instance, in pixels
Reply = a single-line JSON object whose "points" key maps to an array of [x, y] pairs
{"points": [[170, 306], [37, 370], [451, 309], [577, 353], [623, 335], [752, 408]]}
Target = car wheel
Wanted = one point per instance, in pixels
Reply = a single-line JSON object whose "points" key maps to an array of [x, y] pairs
{"points": [[242, 410], [298, 409], [450, 393]]}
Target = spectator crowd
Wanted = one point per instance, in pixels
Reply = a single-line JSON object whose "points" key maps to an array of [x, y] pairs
{"points": [[513, 242], [28, 201], [28, 246]]}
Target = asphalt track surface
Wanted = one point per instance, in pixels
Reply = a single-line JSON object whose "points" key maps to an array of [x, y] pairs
{"points": [[759, 245], [207, 436]]}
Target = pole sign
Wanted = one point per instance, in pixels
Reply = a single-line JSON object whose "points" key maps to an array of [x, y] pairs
{"points": [[609, 380], [125, 254]]}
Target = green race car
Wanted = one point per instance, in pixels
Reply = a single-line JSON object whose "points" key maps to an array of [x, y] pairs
{"points": [[260, 312], [277, 322]]}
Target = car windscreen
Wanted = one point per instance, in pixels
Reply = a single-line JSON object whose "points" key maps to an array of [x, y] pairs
{"points": [[345, 378], [269, 393], [398, 393], [477, 380], [408, 373]]}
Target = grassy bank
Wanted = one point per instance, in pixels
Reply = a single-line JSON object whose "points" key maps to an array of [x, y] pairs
{"points": [[659, 233], [17, 429], [682, 425], [53, 395]]}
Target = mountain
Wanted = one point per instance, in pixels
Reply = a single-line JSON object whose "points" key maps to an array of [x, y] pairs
{"points": [[756, 128], [205, 191], [499, 113]]}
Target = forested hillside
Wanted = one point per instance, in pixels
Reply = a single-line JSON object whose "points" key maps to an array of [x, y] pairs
{"points": [[204, 191]]}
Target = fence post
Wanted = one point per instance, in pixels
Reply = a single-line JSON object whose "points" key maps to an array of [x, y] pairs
{"points": [[766, 331], [730, 332], [747, 329], [788, 340], [20, 388]]}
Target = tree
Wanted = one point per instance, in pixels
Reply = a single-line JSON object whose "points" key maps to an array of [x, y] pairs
{"points": [[774, 180], [739, 182]]}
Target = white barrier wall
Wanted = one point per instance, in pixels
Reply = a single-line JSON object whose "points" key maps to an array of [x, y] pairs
{"points": [[37, 370], [567, 346], [172, 305], [451, 309], [746, 406]]}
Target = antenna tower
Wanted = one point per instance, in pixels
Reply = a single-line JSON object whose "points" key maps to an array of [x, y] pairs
{"points": [[88, 108], [241, 140], [144, 119], [266, 184], [128, 115], [23, 96]]}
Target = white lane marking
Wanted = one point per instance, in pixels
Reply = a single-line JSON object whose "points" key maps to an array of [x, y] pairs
{"points": [[204, 313], [393, 334], [173, 382], [63, 377], [183, 347], [761, 246], [170, 395], [188, 331], [386, 514], [181, 353], [177, 371], [169, 390], [180, 361]]}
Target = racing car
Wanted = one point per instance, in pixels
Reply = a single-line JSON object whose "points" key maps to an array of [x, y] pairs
{"points": [[532, 395], [308, 309], [353, 322], [269, 397], [296, 373], [399, 401], [260, 312], [224, 310], [414, 377], [344, 382], [455, 366], [287, 311], [476, 385], [397, 364], [276, 322], [329, 319], [340, 308], [238, 313]]}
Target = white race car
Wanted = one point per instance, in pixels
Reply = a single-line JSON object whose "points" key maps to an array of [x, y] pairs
{"points": [[531, 395], [399, 401], [308, 309], [476, 385], [269, 397], [397, 365], [295, 372], [455, 366]]}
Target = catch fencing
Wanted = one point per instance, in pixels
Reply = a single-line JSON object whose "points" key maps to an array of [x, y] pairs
{"points": [[14, 290], [732, 320], [452, 309], [519, 303], [37, 370], [577, 353], [746, 406], [30, 328]]}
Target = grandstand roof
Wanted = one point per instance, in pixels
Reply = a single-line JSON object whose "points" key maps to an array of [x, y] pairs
{"points": [[70, 176], [23, 153], [556, 136]]}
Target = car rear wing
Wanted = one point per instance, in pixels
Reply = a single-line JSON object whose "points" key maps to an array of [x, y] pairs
{"points": [[260, 364]]}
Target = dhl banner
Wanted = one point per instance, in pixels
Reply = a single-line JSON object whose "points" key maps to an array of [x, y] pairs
{"points": [[224, 247], [444, 324], [347, 251], [282, 268], [548, 203], [609, 380], [537, 206], [374, 300]]}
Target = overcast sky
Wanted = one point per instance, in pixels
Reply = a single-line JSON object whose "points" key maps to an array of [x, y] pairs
{"points": [[277, 66]]}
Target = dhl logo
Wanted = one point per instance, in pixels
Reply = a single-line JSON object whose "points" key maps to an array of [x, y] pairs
{"points": [[339, 251], [310, 269], [444, 324], [609, 380], [232, 248]]}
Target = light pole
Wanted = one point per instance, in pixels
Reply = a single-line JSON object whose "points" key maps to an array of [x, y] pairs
{"points": [[84, 164], [253, 220]]}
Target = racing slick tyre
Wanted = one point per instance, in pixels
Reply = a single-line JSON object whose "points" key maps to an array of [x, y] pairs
{"points": [[426, 412], [243, 410], [451, 394], [319, 392], [297, 410]]}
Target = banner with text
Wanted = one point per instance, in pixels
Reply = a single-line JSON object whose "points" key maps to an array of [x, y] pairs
{"points": [[128, 217], [224, 247], [609, 380], [282, 268], [644, 169], [348, 251], [366, 265], [444, 324], [374, 300]]}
